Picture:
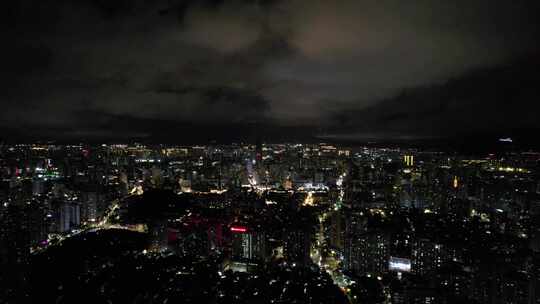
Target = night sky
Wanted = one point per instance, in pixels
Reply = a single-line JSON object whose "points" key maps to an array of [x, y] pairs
{"points": [[194, 71]]}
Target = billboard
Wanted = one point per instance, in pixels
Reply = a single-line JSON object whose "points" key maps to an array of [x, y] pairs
{"points": [[399, 264], [238, 229]]}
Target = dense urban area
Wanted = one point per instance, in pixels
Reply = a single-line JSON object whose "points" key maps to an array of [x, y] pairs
{"points": [[267, 223]]}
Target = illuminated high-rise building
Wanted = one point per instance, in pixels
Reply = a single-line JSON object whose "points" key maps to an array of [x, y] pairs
{"points": [[427, 256], [336, 231], [248, 247], [92, 204], [66, 216], [364, 251], [408, 160], [297, 247], [158, 233]]}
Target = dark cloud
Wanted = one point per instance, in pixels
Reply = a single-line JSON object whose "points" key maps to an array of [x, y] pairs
{"points": [[499, 101], [279, 64]]}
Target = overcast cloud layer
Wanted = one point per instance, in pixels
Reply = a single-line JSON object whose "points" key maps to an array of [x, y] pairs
{"points": [[135, 68]]}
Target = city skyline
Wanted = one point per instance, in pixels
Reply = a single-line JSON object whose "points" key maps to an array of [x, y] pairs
{"points": [[263, 223], [270, 151]]}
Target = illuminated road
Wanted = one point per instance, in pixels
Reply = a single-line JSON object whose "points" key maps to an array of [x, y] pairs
{"points": [[318, 246], [330, 263], [253, 177], [105, 223]]}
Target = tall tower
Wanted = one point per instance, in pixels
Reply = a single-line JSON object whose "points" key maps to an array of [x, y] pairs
{"points": [[248, 247], [408, 160], [258, 150]]}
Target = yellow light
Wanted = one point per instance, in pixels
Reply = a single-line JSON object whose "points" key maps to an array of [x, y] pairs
{"points": [[309, 199], [409, 160]]}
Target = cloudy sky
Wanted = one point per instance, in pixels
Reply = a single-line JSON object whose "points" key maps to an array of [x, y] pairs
{"points": [[181, 70]]}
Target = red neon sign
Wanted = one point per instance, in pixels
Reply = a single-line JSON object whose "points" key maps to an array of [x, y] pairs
{"points": [[238, 229]]}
